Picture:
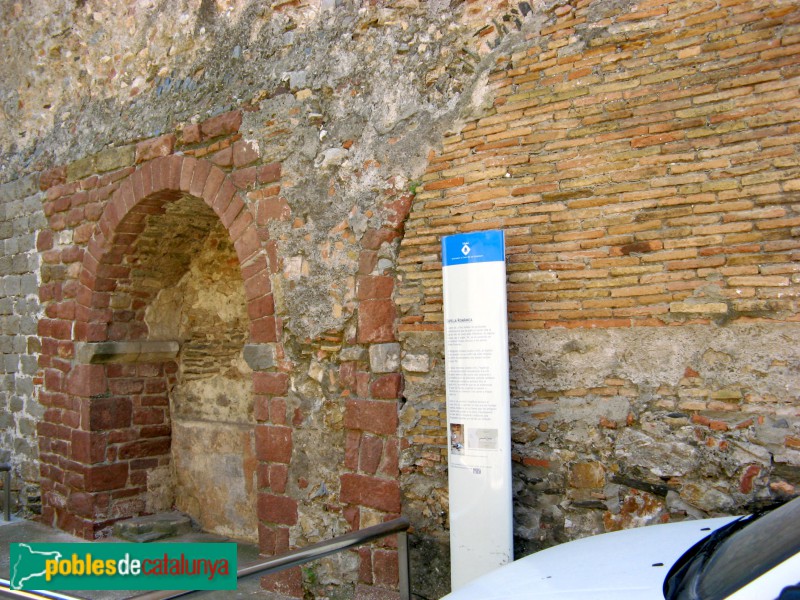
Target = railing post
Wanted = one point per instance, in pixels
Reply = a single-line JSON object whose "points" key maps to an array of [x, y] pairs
{"points": [[405, 572], [6, 469]]}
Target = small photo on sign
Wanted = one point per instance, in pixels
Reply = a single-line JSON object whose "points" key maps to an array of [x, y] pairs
{"points": [[483, 439], [456, 438]]}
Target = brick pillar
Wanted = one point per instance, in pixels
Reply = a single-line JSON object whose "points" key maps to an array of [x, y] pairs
{"points": [[277, 511], [72, 459], [105, 427], [371, 480]]}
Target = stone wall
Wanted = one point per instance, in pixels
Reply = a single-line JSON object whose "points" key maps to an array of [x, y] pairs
{"points": [[642, 160], [22, 217], [221, 227], [212, 475]]}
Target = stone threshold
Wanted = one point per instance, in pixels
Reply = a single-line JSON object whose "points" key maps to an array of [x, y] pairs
{"points": [[101, 353], [259, 357]]}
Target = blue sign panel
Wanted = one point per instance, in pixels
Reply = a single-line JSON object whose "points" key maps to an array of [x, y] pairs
{"points": [[467, 248]]}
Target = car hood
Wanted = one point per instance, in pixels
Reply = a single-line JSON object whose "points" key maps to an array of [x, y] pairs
{"points": [[623, 565]]}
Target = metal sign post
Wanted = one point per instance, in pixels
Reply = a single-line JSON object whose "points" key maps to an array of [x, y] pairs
{"points": [[478, 404]]}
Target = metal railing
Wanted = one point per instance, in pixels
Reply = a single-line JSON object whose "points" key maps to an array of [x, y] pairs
{"points": [[320, 550], [283, 561], [7, 592]]}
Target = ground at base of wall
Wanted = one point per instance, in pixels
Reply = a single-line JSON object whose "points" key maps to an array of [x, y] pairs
{"points": [[19, 530]]}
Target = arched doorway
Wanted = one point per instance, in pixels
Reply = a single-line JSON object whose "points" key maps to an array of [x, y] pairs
{"points": [[149, 396]]}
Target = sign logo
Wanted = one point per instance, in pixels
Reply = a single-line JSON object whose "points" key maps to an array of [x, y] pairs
{"points": [[123, 566], [476, 247]]}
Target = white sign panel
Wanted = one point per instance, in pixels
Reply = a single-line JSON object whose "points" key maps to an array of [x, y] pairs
{"points": [[478, 404]]}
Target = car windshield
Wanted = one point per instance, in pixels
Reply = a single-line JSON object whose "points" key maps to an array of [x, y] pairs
{"points": [[735, 555]]}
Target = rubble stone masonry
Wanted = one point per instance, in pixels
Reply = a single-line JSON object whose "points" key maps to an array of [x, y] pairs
{"points": [[644, 168], [220, 277]]}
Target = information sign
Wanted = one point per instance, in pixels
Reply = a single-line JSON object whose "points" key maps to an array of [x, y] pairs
{"points": [[478, 403]]}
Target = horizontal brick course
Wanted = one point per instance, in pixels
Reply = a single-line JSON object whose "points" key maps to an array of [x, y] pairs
{"points": [[688, 171]]}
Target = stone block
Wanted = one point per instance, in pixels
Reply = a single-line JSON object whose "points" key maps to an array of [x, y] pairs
{"points": [[272, 540], [157, 351], [52, 177], [587, 476], [99, 353], [88, 448], [276, 384], [373, 239], [223, 124], [716, 308], [113, 159], [153, 527], [370, 454], [351, 353], [385, 567], [384, 358], [278, 478], [82, 504], [373, 287], [416, 363], [19, 188], [245, 152]]}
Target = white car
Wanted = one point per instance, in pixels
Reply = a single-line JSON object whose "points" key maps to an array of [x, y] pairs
{"points": [[756, 557]]}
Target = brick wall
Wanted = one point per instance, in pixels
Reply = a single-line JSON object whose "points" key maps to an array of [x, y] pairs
{"points": [[644, 176], [157, 278], [639, 156], [642, 161]]}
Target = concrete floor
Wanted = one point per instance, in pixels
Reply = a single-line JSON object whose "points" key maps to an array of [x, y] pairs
{"points": [[20, 530]]}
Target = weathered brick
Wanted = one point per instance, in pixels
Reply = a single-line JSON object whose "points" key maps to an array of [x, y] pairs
{"points": [[288, 582], [87, 380], [275, 384], [244, 153], [388, 386], [155, 148], [376, 321], [274, 443], [280, 510], [224, 124], [374, 416], [374, 287], [370, 453], [380, 494], [106, 477]]}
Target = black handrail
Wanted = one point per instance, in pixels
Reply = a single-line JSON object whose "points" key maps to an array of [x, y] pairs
{"points": [[320, 550]]}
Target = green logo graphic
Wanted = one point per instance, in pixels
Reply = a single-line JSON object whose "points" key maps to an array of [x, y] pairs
{"points": [[128, 566]]}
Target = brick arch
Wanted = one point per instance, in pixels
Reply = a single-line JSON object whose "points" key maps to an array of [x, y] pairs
{"points": [[101, 434], [156, 182]]}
